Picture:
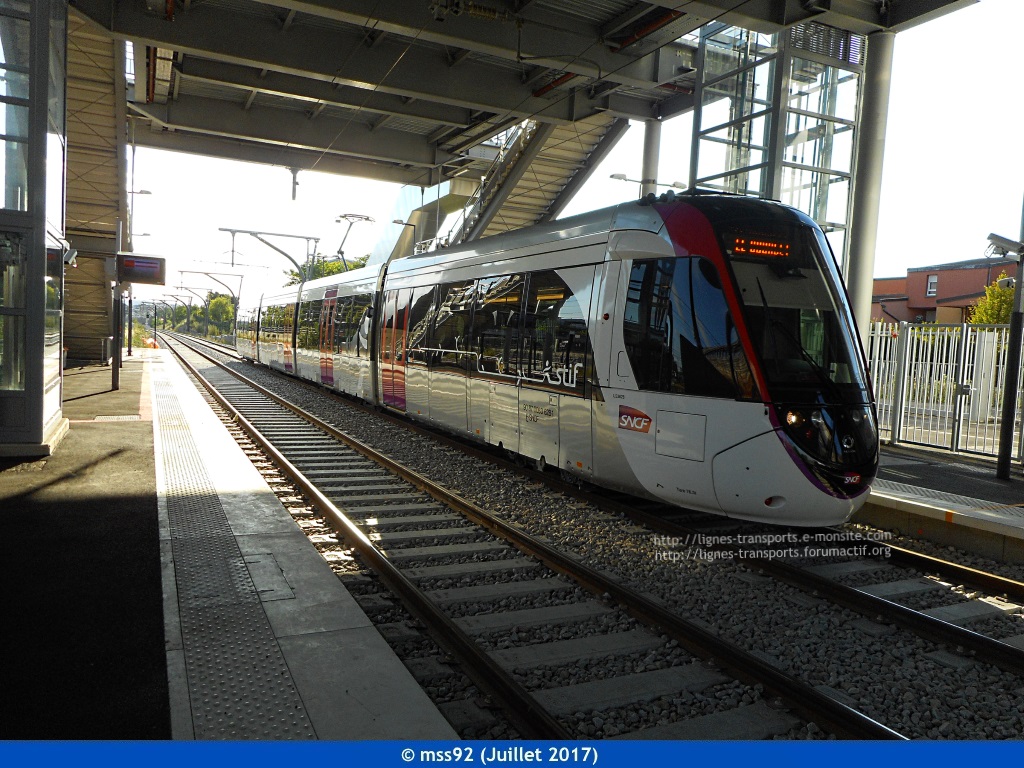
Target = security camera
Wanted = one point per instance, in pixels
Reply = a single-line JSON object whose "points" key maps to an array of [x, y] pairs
{"points": [[69, 257], [1005, 244], [1006, 282]]}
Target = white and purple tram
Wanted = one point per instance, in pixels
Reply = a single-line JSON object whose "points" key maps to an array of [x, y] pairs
{"points": [[696, 349]]}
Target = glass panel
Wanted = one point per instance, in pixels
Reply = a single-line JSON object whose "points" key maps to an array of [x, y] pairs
{"points": [[19, 6], [740, 146], [732, 48], [51, 346], [678, 331], [14, 170], [55, 158], [309, 325], [54, 304], [799, 326], [362, 314], [818, 142], [821, 196], [14, 61], [12, 270], [421, 319], [387, 327], [12, 352], [822, 89], [346, 326], [13, 82], [556, 344], [452, 326], [745, 93], [748, 181], [58, 66], [836, 239], [499, 309]]}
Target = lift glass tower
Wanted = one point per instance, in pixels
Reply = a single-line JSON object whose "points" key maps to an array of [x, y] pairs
{"points": [[776, 116], [32, 248]]}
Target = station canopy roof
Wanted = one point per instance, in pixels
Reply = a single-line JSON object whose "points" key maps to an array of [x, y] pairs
{"points": [[416, 90]]}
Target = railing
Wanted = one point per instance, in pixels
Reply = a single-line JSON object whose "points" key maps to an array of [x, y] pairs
{"points": [[511, 145], [941, 385]]}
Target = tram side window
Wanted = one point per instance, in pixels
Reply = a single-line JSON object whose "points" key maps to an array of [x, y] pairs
{"points": [[678, 332], [309, 324], [348, 328], [421, 319], [341, 312], [272, 321], [556, 344], [496, 318], [362, 314], [323, 341], [387, 322], [451, 326], [289, 323]]}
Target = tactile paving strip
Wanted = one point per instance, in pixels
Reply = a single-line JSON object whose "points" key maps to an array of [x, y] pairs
{"points": [[966, 502], [239, 683], [888, 486]]}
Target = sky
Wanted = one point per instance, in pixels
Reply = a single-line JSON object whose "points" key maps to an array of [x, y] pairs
{"points": [[953, 172]]}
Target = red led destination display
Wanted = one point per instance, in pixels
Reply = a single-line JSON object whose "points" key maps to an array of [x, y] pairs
{"points": [[769, 249]]}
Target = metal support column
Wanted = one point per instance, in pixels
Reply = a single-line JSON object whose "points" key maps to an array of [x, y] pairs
{"points": [[868, 186], [1013, 353], [652, 148], [902, 364]]}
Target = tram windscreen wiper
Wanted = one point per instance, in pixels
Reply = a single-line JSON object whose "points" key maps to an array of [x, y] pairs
{"points": [[773, 323]]}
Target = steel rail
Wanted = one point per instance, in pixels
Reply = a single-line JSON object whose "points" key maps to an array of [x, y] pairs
{"points": [[810, 702], [1007, 657], [991, 583], [523, 710]]}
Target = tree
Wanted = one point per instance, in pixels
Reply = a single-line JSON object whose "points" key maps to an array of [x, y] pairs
{"points": [[995, 307], [327, 268], [222, 312]]}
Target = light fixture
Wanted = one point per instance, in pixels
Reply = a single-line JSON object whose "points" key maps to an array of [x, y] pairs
{"points": [[1004, 245], [673, 185]]}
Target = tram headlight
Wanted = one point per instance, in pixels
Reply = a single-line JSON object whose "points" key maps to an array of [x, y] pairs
{"points": [[834, 435]]}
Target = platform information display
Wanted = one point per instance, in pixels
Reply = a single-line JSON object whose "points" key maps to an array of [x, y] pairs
{"points": [[141, 270]]}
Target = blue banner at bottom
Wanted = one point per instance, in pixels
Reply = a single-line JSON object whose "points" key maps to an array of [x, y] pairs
{"points": [[479, 754]]}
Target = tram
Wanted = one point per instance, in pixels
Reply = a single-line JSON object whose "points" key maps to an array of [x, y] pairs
{"points": [[698, 349]]}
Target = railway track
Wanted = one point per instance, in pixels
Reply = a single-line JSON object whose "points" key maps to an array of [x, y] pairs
{"points": [[565, 647], [949, 631]]}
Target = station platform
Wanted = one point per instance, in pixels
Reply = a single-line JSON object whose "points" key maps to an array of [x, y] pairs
{"points": [[950, 499], [155, 588]]}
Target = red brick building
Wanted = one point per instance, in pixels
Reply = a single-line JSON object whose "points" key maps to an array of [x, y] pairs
{"points": [[942, 293]]}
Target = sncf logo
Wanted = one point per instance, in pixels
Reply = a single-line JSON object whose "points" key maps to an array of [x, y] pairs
{"points": [[633, 420]]}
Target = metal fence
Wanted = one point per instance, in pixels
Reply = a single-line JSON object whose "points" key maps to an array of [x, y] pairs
{"points": [[942, 385]]}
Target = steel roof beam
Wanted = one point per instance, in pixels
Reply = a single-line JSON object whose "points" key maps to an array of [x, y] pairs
{"points": [[291, 128], [393, 67], [861, 16], [286, 157], [547, 39], [302, 88]]}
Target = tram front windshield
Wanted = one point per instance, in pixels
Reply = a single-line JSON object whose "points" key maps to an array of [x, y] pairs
{"points": [[800, 326]]}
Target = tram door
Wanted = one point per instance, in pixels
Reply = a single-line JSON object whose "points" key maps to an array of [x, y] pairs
{"points": [[394, 330], [288, 338], [327, 318]]}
